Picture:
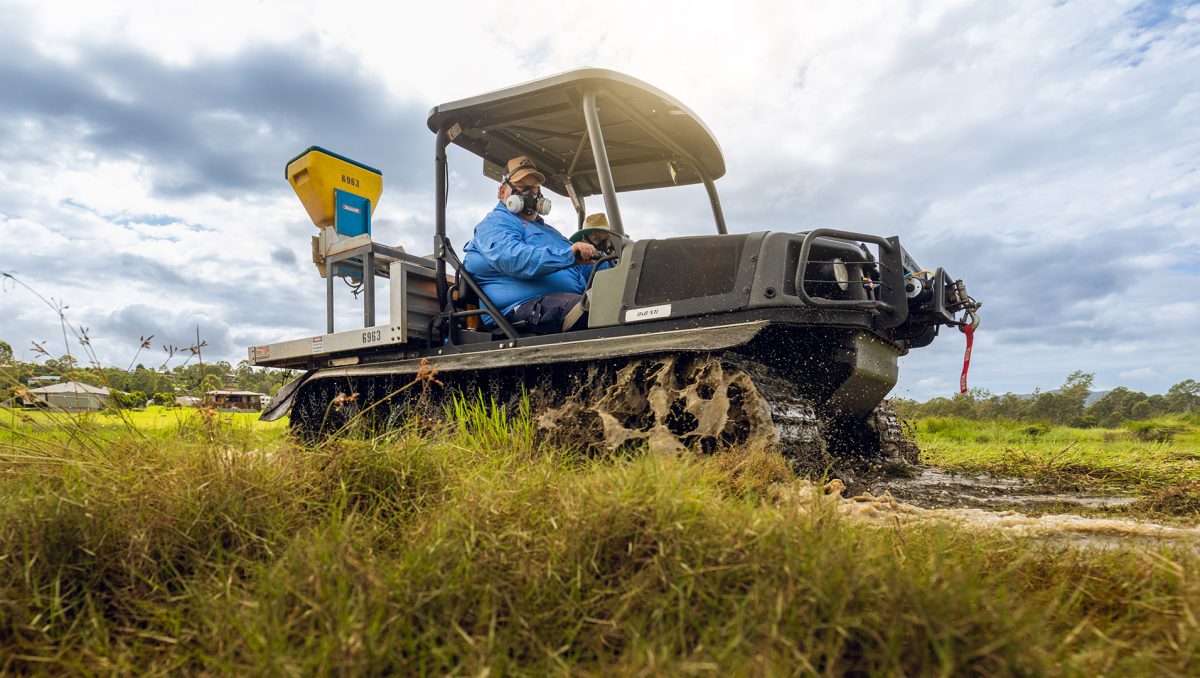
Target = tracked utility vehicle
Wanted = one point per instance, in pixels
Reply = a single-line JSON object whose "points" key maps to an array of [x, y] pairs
{"points": [[701, 342]]}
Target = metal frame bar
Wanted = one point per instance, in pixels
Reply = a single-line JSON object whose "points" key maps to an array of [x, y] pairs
{"points": [[591, 116], [368, 253], [328, 298], [648, 126], [368, 288], [439, 237], [572, 194], [943, 313]]}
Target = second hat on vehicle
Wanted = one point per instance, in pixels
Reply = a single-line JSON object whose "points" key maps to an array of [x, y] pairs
{"points": [[597, 222]]}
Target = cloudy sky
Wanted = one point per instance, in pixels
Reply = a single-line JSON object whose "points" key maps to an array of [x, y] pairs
{"points": [[1046, 152]]}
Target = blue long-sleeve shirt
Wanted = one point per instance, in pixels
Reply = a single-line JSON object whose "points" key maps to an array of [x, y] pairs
{"points": [[515, 260]]}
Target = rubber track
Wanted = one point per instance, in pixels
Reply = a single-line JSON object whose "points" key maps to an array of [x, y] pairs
{"points": [[701, 402]]}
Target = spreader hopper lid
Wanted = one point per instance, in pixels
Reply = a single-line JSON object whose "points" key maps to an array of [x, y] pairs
{"points": [[316, 173]]}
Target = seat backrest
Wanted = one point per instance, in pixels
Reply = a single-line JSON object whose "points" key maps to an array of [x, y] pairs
{"points": [[464, 296]]}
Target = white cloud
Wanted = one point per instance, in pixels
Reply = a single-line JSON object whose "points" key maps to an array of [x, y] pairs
{"points": [[1045, 152]]}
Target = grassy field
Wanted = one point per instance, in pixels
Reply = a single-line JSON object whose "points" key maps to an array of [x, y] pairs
{"points": [[1157, 460], [153, 421], [221, 546]]}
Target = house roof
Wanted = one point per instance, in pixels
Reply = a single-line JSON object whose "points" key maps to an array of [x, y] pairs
{"points": [[71, 387], [234, 391]]}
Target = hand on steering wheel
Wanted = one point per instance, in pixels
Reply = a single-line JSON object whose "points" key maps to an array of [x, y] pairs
{"points": [[584, 252]]}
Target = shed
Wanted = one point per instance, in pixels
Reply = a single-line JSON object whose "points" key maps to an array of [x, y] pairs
{"points": [[71, 395], [234, 399]]}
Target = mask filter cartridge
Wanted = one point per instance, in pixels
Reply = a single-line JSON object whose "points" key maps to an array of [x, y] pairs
{"points": [[527, 202]]}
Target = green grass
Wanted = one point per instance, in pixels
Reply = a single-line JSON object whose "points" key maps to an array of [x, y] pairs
{"points": [[476, 549], [1067, 458], [28, 427], [153, 418]]}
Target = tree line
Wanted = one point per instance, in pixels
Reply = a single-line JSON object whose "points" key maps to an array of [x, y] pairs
{"points": [[135, 386], [1067, 405]]}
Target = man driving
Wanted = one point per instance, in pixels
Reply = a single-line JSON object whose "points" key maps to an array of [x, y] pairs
{"points": [[531, 272]]}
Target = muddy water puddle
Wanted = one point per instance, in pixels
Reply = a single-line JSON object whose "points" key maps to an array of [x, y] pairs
{"points": [[1007, 505], [929, 487]]}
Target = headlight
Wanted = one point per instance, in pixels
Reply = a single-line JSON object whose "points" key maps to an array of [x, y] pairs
{"points": [[841, 274]]}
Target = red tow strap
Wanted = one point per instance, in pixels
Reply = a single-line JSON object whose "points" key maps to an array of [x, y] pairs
{"points": [[968, 330]]}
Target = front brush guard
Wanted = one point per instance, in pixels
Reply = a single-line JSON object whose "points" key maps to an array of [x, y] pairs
{"points": [[890, 305]]}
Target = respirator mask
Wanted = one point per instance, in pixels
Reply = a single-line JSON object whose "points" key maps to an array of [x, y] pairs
{"points": [[527, 202]]}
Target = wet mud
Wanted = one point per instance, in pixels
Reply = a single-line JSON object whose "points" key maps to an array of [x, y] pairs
{"points": [[924, 494], [930, 487], [1066, 529]]}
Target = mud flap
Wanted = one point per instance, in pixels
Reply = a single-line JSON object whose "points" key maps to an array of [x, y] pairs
{"points": [[282, 402]]}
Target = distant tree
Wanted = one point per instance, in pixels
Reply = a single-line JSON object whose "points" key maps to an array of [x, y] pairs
{"points": [[1073, 397], [1066, 405], [1184, 396], [258, 379], [211, 382], [128, 400], [146, 380], [60, 365], [6, 353], [1141, 409], [90, 377], [1007, 406], [1115, 406], [1043, 406]]}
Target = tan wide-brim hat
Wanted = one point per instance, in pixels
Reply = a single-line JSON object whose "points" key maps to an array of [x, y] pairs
{"points": [[594, 222], [521, 167]]}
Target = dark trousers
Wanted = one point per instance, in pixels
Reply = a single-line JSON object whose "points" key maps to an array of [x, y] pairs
{"points": [[544, 314]]}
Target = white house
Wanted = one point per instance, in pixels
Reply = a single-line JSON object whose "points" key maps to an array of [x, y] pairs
{"points": [[72, 395]]}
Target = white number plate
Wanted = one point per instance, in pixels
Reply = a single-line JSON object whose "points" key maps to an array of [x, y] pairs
{"points": [[634, 315]]}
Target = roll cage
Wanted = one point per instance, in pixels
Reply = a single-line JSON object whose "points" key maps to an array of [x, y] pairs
{"points": [[591, 131]]}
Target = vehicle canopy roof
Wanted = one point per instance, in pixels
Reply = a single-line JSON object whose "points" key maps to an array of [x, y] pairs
{"points": [[651, 139]]}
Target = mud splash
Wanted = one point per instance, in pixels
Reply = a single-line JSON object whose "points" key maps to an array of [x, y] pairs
{"points": [[886, 511], [687, 402], [673, 404]]}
